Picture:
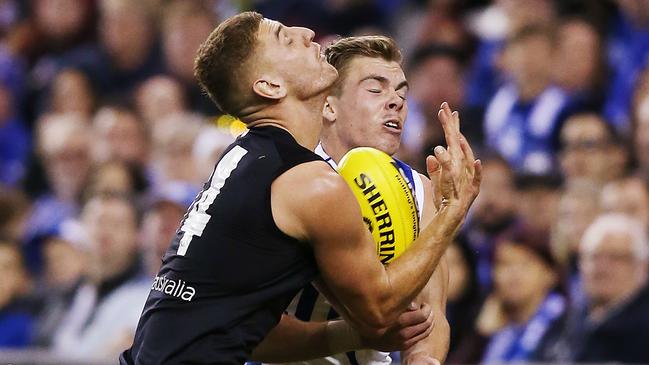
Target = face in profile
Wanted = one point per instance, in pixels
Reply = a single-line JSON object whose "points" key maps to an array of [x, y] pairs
{"points": [[288, 56], [371, 107]]}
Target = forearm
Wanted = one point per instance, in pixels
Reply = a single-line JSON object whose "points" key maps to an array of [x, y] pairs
{"points": [[294, 340], [410, 272]]}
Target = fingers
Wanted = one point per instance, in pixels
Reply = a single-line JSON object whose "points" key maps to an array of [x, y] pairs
{"points": [[446, 177], [420, 330], [469, 158], [451, 125], [434, 169], [477, 176], [414, 317], [417, 333], [432, 166]]}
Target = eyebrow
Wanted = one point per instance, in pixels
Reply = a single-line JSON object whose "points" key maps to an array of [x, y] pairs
{"points": [[384, 80]]}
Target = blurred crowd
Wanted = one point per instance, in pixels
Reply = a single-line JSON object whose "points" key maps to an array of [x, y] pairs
{"points": [[105, 139]]}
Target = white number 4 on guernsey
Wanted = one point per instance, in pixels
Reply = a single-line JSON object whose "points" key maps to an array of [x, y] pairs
{"points": [[197, 218]]}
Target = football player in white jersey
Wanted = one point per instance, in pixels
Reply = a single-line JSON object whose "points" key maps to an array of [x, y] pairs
{"points": [[367, 107]]}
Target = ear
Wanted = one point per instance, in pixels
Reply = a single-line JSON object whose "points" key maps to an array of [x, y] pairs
{"points": [[329, 111], [268, 88]]}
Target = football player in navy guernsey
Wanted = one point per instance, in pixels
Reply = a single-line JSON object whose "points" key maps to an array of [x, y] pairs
{"points": [[274, 215], [367, 107]]}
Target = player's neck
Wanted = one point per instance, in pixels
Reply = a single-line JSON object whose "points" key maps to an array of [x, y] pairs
{"points": [[333, 147], [303, 119]]}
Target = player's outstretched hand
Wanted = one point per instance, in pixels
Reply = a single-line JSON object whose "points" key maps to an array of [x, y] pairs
{"points": [[454, 170], [413, 325]]}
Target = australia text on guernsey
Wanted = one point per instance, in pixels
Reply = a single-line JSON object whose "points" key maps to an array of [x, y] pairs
{"points": [[177, 288]]}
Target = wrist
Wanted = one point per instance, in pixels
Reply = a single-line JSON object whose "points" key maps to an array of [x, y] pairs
{"points": [[341, 337]]}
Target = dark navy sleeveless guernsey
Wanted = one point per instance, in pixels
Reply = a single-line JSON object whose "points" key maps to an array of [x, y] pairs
{"points": [[230, 272]]}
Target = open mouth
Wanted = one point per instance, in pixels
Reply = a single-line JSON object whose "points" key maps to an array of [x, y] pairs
{"points": [[393, 124]]}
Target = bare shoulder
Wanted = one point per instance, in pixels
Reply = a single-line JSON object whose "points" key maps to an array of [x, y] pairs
{"points": [[308, 196]]}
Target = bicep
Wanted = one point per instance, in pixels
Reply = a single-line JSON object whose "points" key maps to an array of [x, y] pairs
{"points": [[317, 206], [344, 249]]}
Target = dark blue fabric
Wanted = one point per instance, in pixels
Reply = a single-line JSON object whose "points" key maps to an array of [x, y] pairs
{"points": [[15, 144], [15, 329]]}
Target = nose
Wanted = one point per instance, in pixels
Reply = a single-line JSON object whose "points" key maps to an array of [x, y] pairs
{"points": [[396, 102], [307, 34]]}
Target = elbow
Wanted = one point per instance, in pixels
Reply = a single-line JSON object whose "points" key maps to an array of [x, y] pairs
{"points": [[380, 316], [380, 320]]}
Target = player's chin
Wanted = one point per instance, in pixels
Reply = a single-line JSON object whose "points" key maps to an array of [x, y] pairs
{"points": [[388, 145]]}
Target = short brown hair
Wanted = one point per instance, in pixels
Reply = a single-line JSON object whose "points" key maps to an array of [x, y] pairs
{"points": [[221, 61], [341, 52]]}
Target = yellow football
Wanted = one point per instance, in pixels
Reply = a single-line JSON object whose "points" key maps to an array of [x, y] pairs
{"points": [[387, 204]]}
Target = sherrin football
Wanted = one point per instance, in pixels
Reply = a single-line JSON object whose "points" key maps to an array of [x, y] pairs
{"points": [[387, 204]]}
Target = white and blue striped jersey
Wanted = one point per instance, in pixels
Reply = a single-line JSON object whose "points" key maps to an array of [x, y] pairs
{"points": [[310, 305]]}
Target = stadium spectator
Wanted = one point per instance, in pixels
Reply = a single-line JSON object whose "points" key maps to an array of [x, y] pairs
{"points": [[614, 324], [186, 23], [72, 93], [173, 142], [579, 65], [537, 200], [525, 304], [105, 309], [55, 35], [64, 149], [590, 150], [436, 75], [128, 52], [158, 97], [119, 135], [491, 26], [523, 118], [116, 176]]}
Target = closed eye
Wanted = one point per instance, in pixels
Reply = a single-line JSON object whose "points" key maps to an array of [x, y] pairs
{"points": [[374, 91]]}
